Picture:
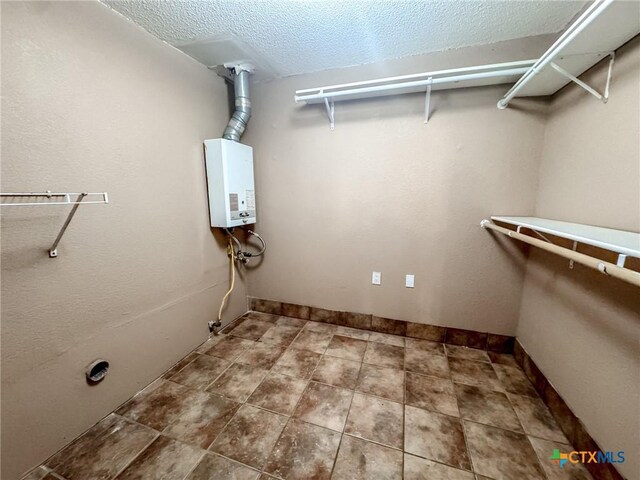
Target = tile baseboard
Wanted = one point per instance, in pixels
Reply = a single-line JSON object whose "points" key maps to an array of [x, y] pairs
{"points": [[453, 336], [569, 423]]}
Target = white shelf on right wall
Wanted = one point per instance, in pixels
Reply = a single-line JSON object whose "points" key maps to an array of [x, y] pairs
{"points": [[623, 243], [618, 241]]}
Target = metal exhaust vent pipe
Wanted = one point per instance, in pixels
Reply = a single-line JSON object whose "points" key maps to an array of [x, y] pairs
{"points": [[238, 121]]}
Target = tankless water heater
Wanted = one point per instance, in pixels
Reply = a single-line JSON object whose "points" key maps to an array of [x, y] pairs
{"points": [[232, 199]]}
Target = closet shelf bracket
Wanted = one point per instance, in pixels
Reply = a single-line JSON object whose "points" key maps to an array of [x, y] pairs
{"points": [[603, 97], [331, 111], [427, 100], [53, 251], [624, 244], [49, 198]]}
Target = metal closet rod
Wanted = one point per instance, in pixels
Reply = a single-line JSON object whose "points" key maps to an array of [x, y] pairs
{"points": [[547, 57], [607, 268]]}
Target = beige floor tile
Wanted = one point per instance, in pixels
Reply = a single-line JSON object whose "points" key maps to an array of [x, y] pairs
{"points": [[104, 450], [426, 346], [384, 355], [425, 363], [382, 382], [215, 467], [375, 419], [280, 335], [353, 332], [250, 436], [304, 451], [324, 405], [431, 393], [337, 371], [320, 327], [362, 460], [201, 372], [291, 322], [347, 347], [250, 329], [238, 382], [387, 339], [229, 348], [503, 359], [536, 418], [278, 393], [501, 454], [261, 355], [435, 436], [157, 405], [514, 380], [164, 458], [201, 418], [297, 363], [312, 341], [479, 374], [486, 406], [467, 353], [416, 468], [570, 471]]}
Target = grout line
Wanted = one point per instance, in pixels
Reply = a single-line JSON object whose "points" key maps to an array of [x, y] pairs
{"points": [[367, 440], [195, 465], [133, 459], [291, 417], [210, 452], [466, 444]]}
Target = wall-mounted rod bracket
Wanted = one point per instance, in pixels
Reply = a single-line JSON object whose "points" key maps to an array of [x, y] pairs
{"points": [[32, 199], [603, 97], [427, 100], [53, 251], [621, 259], [602, 266], [541, 236], [575, 249], [331, 110]]}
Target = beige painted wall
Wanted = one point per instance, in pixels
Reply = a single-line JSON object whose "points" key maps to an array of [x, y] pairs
{"points": [[582, 329], [384, 192], [92, 102]]}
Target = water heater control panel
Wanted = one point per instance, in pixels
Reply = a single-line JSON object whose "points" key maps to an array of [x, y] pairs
{"points": [[230, 184]]}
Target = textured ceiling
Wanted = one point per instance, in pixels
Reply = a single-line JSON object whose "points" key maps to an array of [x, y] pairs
{"points": [[289, 37]]}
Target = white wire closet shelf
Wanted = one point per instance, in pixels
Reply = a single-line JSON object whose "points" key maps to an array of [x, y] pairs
{"points": [[35, 199], [602, 28], [476, 76], [623, 243]]}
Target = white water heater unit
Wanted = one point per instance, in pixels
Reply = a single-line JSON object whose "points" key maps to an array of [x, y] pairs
{"points": [[232, 198]]}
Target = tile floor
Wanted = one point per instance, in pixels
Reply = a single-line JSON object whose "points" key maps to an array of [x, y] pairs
{"points": [[280, 397]]}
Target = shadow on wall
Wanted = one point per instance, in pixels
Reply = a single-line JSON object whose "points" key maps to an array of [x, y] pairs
{"points": [[600, 288]]}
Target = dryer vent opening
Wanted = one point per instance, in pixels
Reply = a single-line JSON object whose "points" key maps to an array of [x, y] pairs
{"points": [[97, 371]]}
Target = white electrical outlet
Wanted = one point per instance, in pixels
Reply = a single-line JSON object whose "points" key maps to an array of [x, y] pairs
{"points": [[376, 278], [409, 281]]}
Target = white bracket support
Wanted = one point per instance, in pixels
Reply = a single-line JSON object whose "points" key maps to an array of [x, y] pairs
{"points": [[32, 199], [331, 110], [427, 100], [621, 259], [603, 97], [574, 248], [53, 251], [541, 236]]}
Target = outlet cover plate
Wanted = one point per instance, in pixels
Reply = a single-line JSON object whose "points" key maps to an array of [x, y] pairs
{"points": [[376, 278], [409, 281]]}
